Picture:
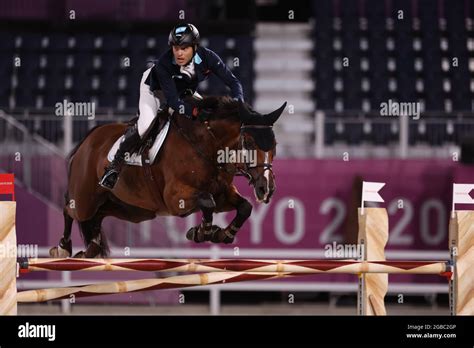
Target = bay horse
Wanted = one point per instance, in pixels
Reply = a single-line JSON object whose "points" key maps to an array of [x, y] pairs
{"points": [[185, 177]]}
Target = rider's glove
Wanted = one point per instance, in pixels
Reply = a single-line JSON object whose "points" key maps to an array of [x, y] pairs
{"points": [[201, 114]]}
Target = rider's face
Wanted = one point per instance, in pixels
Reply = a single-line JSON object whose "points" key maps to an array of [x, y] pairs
{"points": [[182, 54]]}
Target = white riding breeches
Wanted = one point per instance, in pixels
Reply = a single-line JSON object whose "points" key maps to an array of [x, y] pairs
{"points": [[149, 105]]}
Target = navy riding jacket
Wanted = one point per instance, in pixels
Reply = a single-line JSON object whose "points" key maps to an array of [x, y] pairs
{"points": [[165, 75]]}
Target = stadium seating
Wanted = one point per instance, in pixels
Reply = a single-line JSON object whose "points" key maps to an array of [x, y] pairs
{"points": [[89, 66], [407, 59]]}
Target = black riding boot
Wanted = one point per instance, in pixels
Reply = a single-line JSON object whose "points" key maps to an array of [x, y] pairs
{"points": [[112, 172]]}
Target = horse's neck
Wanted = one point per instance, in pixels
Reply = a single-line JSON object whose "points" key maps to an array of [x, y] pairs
{"points": [[226, 133], [222, 134]]}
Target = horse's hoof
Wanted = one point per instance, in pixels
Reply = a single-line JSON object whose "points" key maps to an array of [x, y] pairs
{"points": [[63, 250], [208, 236], [192, 234], [58, 252], [197, 234], [93, 250], [80, 255], [220, 236]]}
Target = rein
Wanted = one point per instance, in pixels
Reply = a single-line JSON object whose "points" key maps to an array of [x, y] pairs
{"points": [[265, 165], [194, 145], [237, 171]]}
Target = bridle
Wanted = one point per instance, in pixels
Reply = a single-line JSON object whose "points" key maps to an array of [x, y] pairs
{"points": [[238, 170], [265, 165]]}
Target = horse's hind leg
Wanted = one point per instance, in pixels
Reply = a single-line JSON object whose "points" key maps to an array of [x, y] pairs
{"points": [[95, 241], [94, 237], [64, 248]]}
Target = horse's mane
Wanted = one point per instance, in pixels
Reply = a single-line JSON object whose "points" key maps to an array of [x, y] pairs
{"points": [[220, 107]]}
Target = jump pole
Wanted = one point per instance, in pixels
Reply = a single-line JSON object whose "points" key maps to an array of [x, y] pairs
{"points": [[129, 286], [373, 234], [233, 265], [374, 221]]}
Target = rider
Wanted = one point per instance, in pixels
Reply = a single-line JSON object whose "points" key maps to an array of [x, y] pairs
{"points": [[177, 72]]}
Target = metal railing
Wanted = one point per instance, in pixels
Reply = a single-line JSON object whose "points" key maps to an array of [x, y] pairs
{"points": [[38, 165], [404, 139], [65, 131], [435, 134]]}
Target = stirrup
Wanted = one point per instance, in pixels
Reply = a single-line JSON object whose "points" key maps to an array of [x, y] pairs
{"points": [[108, 180]]}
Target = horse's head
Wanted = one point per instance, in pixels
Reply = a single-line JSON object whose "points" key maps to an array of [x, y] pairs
{"points": [[258, 140]]}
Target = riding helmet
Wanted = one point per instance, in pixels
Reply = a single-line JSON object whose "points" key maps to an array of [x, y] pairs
{"points": [[183, 34]]}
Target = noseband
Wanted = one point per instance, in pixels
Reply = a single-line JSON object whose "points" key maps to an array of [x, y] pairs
{"points": [[265, 165], [238, 170]]}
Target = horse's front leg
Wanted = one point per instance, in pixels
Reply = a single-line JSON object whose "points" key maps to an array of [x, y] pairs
{"points": [[244, 209], [204, 231]]}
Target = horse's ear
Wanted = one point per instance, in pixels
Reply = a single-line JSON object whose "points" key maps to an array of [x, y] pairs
{"points": [[273, 116]]}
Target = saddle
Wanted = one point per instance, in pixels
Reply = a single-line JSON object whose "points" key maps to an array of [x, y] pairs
{"points": [[147, 149], [149, 137]]}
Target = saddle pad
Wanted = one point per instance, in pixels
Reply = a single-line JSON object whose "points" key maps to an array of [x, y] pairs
{"points": [[135, 159]]}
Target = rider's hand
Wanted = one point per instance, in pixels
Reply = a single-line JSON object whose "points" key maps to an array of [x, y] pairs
{"points": [[201, 114]]}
